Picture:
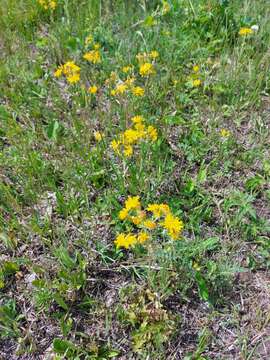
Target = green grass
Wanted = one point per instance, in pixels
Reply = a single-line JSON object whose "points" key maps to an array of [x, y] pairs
{"points": [[66, 291]]}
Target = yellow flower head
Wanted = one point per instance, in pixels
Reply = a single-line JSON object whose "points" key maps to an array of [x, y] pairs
{"points": [[138, 119], [137, 91], [127, 68], [120, 89], [73, 78], [142, 237], [154, 54], [173, 226], [196, 68], [132, 202], [93, 89], [152, 132], [158, 210], [97, 46], [130, 80], [123, 214], [149, 224], [128, 150], [93, 56], [125, 241], [146, 69], [196, 83], [115, 144], [58, 72], [98, 136], [244, 31], [225, 133]]}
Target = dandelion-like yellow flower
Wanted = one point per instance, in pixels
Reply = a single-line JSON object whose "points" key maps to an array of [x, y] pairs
{"points": [[196, 83], [127, 68], [128, 150], [149, 224], [132, 202], [73, 78], [152, 132], [137, 91], [98, 136], [196, 68], [115, 144], [142, 237], [173, 225], [58, 72], [138, 119], [93, 56], [244, 31], [146, 69], [154, 54], [93, 89], [125, 241], [123, 214], [225, 133]]}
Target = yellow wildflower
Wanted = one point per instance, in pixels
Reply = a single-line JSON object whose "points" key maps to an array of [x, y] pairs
{"points": [[196, 68], [196, 83], [146, 69], [159, 209], [123, 214], [113, 92], [154, 54], [125, 241], [97, 46], [127, 68], [132, 202], [149, 224], [115, 144], [58, 72], [152, 132], [137, 91], [73, 78], [70, 67], [98, 136], [137, 119], [93, 89], [128, 150], [225, 133], [142, 237], [130, 136], [173, 225], [244, 31], [137, 220], [93, 56], [120, 89], [130, 80]]}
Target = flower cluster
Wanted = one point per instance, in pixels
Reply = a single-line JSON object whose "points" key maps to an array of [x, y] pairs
{"points": [[93, 56], [155, 216], [245, 31], [70, 70], [195, 76], [146, 67], [139, 131], [48, 4]]}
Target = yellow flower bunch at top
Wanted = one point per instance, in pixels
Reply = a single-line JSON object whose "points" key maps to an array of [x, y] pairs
{"points": [[48, 4], [133, 135], [127, 86], [93, 56], [128, 240], [70, 70], [146, 69], [157, 215], [225, 133], [244, 31]]}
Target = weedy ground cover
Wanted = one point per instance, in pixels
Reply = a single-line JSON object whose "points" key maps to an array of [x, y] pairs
{"points": [[134, 179]]}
